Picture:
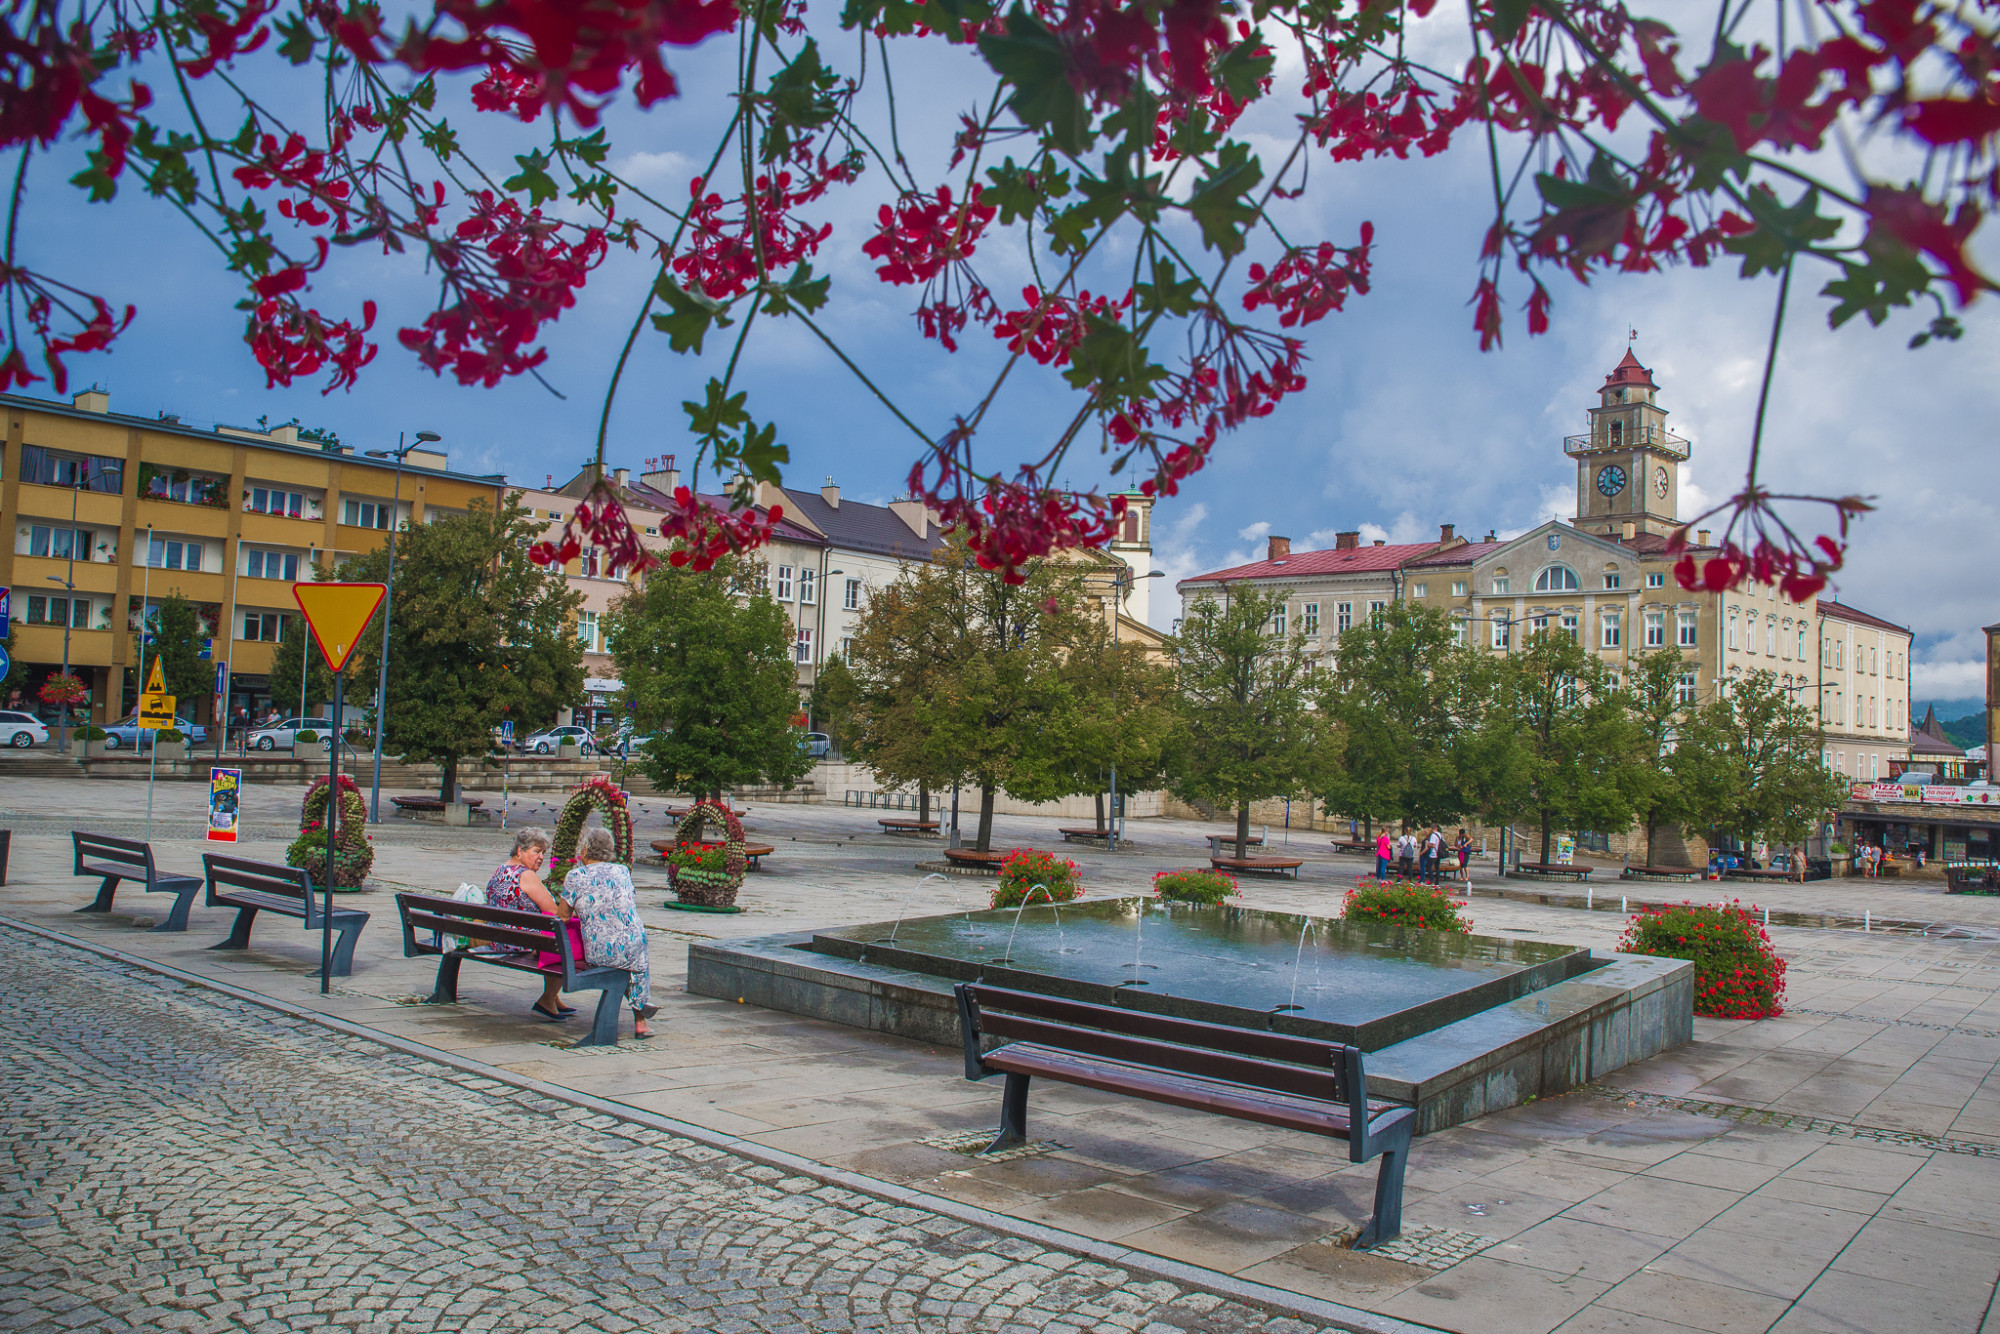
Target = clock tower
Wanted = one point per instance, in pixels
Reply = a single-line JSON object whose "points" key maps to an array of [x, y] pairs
{"points": [[1628, 466]]}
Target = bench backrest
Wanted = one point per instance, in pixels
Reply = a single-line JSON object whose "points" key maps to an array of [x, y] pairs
{"points": [[228, 873], [105, 849], [482, 924], [1280, 1062]]}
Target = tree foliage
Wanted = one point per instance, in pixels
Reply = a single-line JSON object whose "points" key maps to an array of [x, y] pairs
{"points": [[295, 647], [1659, 715], [177, 642], [706, 658], [1753, 764]]}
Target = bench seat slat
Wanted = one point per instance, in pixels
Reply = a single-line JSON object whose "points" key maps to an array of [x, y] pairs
{"points": [[1181, 1090], [538, 941], [1169, 1058], [1312, 1052]]}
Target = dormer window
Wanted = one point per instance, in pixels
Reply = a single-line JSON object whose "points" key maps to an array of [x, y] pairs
{"points": [[1557, 579]]}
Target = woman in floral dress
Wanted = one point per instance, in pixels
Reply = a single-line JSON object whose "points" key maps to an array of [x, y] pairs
{"points": [[600, 890], [518, 885]]}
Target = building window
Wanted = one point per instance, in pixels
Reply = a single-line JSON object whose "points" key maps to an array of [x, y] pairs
{"points": [[1309, 618], [804, 651], [1458, 587], [1278, 620], [59, 611], [1611, 578], [1612, 679], [57, 543], [1502, 631], [589, 563], [808, 588], [1802, 641], [1655, 579], [1656, 629], [265, 627], [1771, 637], [784, 588], [1569, 625], [270, 565], [1613, 630], [852, 600], [1458, 624], [1840, 761], [364, 514], [1555, 579], [171, 555], [1420, 590], [268, 500], [45, 467], [1684, 688], [586, 630], [178, 484], [1538, 625], [1343, 617], [1375, 610], [1684, 622], [1732, 628], [1501, 583], [847, 648]]}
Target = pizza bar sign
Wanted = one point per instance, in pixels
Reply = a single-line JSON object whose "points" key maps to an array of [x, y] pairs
{"points": [[1929, 796]]}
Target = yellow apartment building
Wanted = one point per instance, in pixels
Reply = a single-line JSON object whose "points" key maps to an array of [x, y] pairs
{"points": [[111, 513]]}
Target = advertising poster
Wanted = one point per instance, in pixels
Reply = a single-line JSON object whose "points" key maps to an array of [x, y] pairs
{"points": [[224, 787], [1565, 849]]}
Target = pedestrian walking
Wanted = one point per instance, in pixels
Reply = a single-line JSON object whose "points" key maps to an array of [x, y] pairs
{"points": [[1433, 854], [1382, 854], [1464, 847], [1406, 855]]}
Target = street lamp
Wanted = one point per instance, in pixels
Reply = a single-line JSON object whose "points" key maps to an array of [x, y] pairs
{"points": [[76, 484], [1123, 582], [400, 453]]}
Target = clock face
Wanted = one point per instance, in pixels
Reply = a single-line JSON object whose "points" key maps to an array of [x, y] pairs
{"points": [[1611, 479], [1660, 482]]}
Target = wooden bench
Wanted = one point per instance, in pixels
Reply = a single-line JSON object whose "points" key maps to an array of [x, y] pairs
{"points": [[681, 812], [1258, 865], [1216, 841], [254, 887], [1349, 845], [1084, 835], [1759, 873], [909, 828], [1551, 871], [1275, 1079], [507, 938], [1680, 873], [434, 805], [985, 861], [117, 859]]}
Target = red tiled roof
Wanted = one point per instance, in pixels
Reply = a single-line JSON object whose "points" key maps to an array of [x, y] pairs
{"points": [[1355, 560], [1841, 612], [785, 530], [1629, 371], [1464, 553]]}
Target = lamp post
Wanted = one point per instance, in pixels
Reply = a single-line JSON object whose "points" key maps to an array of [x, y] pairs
{"points": [[1122, 583], [400, 453], [76, 483]]}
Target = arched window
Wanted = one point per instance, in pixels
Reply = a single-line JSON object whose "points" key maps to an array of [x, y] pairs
{"points": [[1557, 579], [1617, 434]]}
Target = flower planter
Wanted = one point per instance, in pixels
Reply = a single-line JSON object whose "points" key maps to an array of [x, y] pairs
{"points": [[706, 889], [316, 751], [94, 750], [170, 751]]}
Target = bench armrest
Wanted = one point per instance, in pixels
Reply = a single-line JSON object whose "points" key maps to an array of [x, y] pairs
{"points": [[968, 1030]]}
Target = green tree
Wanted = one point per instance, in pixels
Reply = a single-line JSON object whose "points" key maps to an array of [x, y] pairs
{"points": [[481, 634], [178, 640], [17, 671], [706, 658], [961, 680], [831, 701], [1123, 717], [1248, 729], [1408, 699], [1659, 717], [1752, 762], [296, 653], [1561, 745]]}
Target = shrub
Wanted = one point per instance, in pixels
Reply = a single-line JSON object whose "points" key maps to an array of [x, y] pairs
{"points": [[91, 732], [698, 857], [1737, 971], [1195, 886], [170, 735], [1405, 903], [1027, 873], [305, 738]]}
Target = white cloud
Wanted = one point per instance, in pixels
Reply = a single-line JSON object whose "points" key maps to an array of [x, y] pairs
{"points": [[1255, 532], [1948, 680]]}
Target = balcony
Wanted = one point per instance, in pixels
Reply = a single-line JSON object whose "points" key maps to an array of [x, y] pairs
{"points": [[1657, 439]]}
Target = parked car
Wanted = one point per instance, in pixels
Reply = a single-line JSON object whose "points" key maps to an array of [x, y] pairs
{"points": [[625, 745], [283, 735], [817, 744], [545, 741], [127, 732], [22, 730]]}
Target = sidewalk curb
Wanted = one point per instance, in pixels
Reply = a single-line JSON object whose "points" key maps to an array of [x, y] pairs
{"points": [[1143, 1263]]}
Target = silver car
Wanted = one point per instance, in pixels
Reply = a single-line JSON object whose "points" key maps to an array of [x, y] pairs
{"points": [[282, 736], [22, 730]]}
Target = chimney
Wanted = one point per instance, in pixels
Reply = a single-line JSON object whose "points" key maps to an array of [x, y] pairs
{"points": [[1631, 531], [92, 399], [1701, 537], [1346, 541], [1378, 541], [623, 476], [1490, 537], [914, 516], [662, 475], [1444, 534], [1278, 548], [830, 494]]}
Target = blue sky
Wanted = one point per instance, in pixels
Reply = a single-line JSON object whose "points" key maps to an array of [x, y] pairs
{"points": [[1405, 423]]}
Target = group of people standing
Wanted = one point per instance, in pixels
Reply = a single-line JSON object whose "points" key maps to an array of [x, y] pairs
{"points": [[1421, 855]]}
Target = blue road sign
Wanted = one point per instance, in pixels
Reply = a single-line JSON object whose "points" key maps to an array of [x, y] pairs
{"points": [[507, 730], [6, 598], [221, 677], [6, 663]]}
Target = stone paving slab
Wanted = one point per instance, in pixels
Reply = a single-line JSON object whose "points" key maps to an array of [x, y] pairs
{"points": [[1906, 1016]]}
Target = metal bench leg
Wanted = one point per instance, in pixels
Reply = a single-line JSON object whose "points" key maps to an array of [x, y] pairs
{"points": [[1013, 1114], [177, 916], [604, 1027], [1387, 1223], [344, 941], [102, 903], [447, 983], [239, 934]]}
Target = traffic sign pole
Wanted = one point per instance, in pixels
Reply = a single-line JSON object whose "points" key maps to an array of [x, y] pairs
{"points": [[332, 834]]}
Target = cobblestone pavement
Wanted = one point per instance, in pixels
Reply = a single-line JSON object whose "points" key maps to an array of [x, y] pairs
{"points": [[180, 1160]]}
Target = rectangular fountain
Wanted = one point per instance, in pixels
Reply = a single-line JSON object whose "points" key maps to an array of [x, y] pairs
{"points": [[1458, 1025]]}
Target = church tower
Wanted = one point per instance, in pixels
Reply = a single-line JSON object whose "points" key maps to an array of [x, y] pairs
{"points": [[1627, 467]]}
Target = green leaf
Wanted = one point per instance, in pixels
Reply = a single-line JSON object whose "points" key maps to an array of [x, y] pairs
{"points": [[299, 42], [1164, 295], [533, 178], [1781, 232], [717, 414], [1029, 56], [693, 311], [1242, 69], [801, 289], [760, 455], [590, 149], [1018, 192], [1509, 16], [1110, 358], [798, 101], [441, 139], [1217, 201], [97, 178]]}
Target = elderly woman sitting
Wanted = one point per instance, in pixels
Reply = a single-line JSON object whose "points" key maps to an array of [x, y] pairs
{"points": [[518, 885], [600, 891]]}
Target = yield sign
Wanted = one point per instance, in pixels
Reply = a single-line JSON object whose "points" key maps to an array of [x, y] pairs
{"points": [[338, 613]]}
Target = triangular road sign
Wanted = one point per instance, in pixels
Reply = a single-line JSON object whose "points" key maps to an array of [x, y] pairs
{"points": [[338, 613], [156, 684]]}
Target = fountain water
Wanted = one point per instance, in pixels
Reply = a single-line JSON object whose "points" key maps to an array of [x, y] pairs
{"points": [[908, 898], [1007, 955], [1297, 957]]}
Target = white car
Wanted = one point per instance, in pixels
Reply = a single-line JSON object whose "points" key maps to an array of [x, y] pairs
{"points": [[22, 730], [282, 735], [546, 741]]}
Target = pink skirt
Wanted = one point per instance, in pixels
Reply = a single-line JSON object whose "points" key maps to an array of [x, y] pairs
{"points": [[550, 962]]}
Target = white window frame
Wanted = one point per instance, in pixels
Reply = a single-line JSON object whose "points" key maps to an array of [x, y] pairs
{"points": [[1656, 629], [1309, 618], [1611, 633], [1655, 579], [852, 599], [782, 586], [1420, 590], [1458, 588], [802, 647], [808, 586], [1687, 629]]}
